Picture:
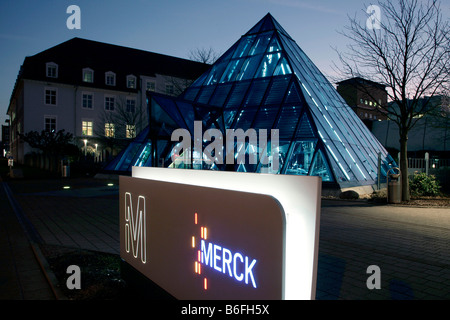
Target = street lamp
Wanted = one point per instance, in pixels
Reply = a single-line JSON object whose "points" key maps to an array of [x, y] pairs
{"points": [[85, 147]]}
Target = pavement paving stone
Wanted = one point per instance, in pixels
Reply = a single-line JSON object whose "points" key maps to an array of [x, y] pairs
{"points": [[410, 245], [21, 277]]}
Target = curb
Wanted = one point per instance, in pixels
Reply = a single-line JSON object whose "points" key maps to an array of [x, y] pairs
{"points": [[33, 239], [49, 275]]}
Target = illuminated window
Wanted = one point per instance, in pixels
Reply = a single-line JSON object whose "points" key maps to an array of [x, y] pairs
{"points": [[131, 82], [109, 130], [88, 75], [86, 128], [130, 131]]}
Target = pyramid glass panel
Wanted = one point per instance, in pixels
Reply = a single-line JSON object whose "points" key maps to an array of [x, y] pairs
{"points": [[301, 157], [268, 65], [244, 46], [265, 81], [237, 94], [320, 167], [261, 43], [232, 70], [287, 121], [256, 93], [277, 90], [274, 45], [249, 67]]}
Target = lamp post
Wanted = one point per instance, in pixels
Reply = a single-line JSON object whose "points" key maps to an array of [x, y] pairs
{"points": [[85, 147]]}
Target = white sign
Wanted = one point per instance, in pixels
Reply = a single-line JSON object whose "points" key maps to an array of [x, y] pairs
{"points": [[203, 234]]}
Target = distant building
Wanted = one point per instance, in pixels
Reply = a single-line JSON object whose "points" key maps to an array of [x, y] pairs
{"points": [[92, 90], [431, 133], [365, 97]]}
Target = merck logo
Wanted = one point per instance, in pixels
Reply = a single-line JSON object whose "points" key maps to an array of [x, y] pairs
{"points": [[220, 259], [135, 227]]}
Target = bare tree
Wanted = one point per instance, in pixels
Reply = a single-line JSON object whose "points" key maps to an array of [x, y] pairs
{"points": [[407, 50], [204, 55], [115, 126], [175, 86]]}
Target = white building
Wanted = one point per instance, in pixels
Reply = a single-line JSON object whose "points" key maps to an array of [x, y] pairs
{"points": [[93, 90]]}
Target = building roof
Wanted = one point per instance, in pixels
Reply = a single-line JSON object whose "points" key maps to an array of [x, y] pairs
{"points": [[362, 81], [75, 54]]}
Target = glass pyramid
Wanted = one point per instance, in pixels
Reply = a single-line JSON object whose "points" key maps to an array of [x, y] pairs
{"points": [[265, 81]]}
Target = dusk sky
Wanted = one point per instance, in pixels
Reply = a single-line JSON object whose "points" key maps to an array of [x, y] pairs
{"points": [[172, 27]]}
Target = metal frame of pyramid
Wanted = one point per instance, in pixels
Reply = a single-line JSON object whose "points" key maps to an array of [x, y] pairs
{"points": [[266, 81]]}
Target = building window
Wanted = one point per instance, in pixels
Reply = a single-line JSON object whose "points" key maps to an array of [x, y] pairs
{"points": [[110, 78], [50, 124], [130, 131], [151, 86], [131, 105], [88, 75], [131, 82], [86, 128], [109, 103], [109, 130], [50, 97], [169, 89], [88, 100], [51, 70]]}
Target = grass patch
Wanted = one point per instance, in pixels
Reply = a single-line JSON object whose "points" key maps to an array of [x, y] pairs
{"points": [[100, 273]]}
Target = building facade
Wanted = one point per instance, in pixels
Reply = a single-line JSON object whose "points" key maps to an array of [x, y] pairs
{"points": [[5, 140], [431, 132], [93, 90], [365, 97]]}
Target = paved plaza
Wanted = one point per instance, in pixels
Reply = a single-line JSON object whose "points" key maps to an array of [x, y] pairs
{"points": [[409, 245]]}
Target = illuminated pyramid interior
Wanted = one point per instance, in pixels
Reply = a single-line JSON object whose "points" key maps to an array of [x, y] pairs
{"points": [[265, 81]]}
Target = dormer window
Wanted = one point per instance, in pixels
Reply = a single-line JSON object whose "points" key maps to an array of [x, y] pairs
{"points": [[88, 75], [51, 70], [110, 78], [131, 82]]}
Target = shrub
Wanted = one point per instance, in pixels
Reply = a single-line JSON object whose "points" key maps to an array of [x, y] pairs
{"points": [[422, 184]]}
